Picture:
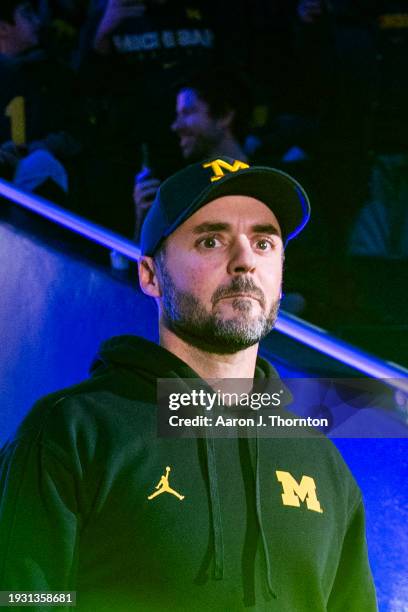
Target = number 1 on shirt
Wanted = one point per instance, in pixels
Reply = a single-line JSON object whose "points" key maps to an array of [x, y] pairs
{"points": [[16, 111]]}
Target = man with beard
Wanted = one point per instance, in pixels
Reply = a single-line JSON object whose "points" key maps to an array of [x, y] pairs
{"points": [[213, 110], [95, 501]]}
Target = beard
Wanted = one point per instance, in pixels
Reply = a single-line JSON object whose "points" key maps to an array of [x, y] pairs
{"points": [[203, 146], [184, 315]]}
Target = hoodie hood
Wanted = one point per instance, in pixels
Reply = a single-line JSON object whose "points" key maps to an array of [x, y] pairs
{"points": [[153, 361], [140, 355]]}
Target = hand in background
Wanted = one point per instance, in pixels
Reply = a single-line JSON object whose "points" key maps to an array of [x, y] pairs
{"points": [[144, 193], [115, 13]]}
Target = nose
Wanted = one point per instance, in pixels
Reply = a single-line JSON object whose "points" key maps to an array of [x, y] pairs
{"points": [[242, 258]]}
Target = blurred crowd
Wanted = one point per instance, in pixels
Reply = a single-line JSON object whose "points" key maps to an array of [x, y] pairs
{"points": [[101, 100]]}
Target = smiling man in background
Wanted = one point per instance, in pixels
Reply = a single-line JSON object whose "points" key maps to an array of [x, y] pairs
{"points": [[213, 111]]}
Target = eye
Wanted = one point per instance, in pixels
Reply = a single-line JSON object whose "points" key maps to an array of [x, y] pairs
{"points": [[264, 245], [209, 242]]}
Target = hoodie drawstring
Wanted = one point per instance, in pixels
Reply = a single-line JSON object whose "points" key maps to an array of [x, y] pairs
{"points": [[261, 526], [215, 510], [216, 515]]}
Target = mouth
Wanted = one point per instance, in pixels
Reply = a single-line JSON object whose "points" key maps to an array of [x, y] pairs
{"points": [[240, 295], [185, 140]]}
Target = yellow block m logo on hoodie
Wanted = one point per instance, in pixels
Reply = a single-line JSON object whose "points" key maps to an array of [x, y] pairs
{"points": [[295, 492]]}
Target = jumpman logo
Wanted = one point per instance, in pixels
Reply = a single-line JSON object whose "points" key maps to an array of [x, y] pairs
{"points": [[164, 487]]}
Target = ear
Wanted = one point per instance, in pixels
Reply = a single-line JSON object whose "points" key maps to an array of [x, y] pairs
{"points": [[148, 278]]}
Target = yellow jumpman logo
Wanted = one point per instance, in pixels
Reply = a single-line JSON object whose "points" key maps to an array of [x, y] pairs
{"points": [[164, 487]]}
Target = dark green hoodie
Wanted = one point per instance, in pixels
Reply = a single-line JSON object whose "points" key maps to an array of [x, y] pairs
{"points": [[236, 532]]}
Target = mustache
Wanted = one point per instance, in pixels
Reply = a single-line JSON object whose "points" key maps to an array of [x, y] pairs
{"points": [[239, 285]]}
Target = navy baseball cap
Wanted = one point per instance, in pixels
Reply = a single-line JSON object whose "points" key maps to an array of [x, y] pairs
{"points": [[183, 193]]}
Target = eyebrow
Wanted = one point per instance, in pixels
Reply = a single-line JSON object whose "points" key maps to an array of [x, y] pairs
{"points": [[218, 226]]}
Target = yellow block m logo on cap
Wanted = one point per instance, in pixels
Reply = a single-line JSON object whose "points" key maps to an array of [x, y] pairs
{"points": [[295, 492], [219, 167]]}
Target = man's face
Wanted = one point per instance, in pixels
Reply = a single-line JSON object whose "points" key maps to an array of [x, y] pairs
{"points": [[26, 27], [199, 133], [221, 275]]}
